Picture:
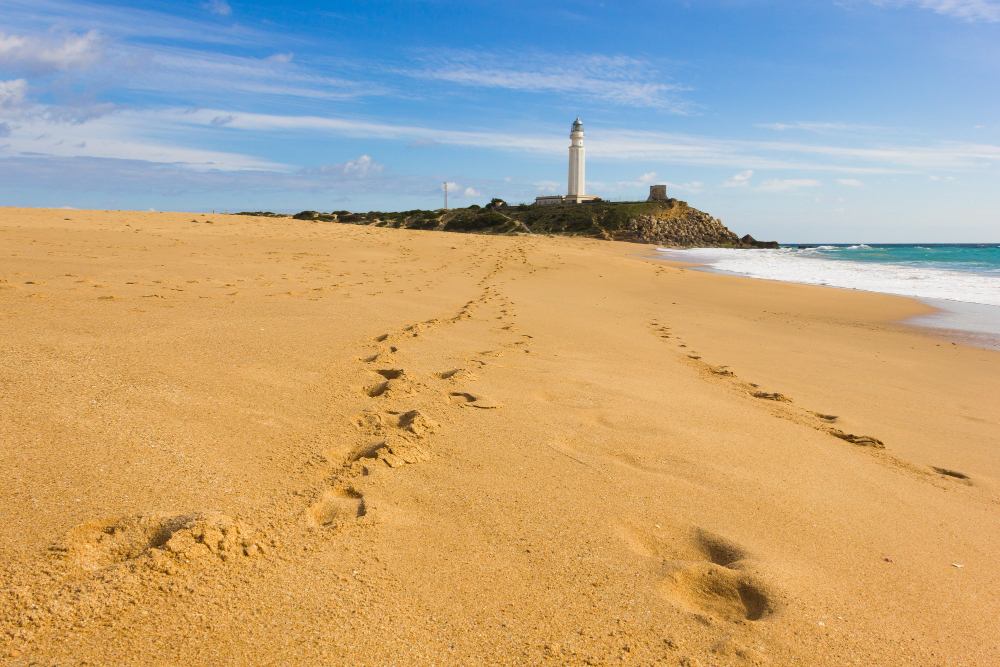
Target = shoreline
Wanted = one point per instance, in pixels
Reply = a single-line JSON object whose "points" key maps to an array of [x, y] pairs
{"points": [[958, 321]]}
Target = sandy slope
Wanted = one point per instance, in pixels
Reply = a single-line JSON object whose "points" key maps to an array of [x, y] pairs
{"points": [[281, 442]]}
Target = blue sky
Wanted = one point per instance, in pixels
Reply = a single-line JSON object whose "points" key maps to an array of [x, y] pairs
{"points": [[816, 120]]}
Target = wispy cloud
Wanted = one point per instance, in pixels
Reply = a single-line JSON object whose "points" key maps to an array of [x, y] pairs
{"points": [[779, 185], [133, 128], [739, 180], [46, 55], [109, 175], [13, 96], [220, 7], [743, 180], [852, 182], [966, 10], [824, 128], [357, 169], [38, 17], [614, 79]]}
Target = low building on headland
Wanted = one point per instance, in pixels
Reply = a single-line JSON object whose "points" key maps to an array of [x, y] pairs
{"points": [[657, 193]]}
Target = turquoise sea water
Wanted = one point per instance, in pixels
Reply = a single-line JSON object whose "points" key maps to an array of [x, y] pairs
{"points": [[970, 257], [961, 279]]}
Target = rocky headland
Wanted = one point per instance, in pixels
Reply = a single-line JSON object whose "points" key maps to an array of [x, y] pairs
{"points": [[670, 223]]}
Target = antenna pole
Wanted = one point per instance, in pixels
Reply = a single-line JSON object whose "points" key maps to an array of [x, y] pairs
{"points": [[446, 195]]}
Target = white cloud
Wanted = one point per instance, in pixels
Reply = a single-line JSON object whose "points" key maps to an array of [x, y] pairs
{"points": [[694, 187], [361, 166], [357, 169], [36, 55], [822, 128], [648, 177], [13, 95], [281, 58], [853, 182], [220, 7], [778, 185], [615, 79], [423, 143], [547, 187], [739, 180], [130, 135], [967, 10], [472, 192]]}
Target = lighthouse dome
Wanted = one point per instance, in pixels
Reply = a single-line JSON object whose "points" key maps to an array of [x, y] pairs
{"points": [[577, 125]]}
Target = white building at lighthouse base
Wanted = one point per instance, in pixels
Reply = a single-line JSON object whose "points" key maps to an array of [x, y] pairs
{"points": [[553, 200]]}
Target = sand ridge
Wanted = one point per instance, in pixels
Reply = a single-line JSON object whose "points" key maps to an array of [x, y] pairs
{"points": [[293, 442]]}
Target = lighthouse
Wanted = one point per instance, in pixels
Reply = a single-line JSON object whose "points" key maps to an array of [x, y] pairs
{"points": [[576, 192], [577, 180]]}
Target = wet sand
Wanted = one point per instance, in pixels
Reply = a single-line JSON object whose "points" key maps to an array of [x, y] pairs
{"points": [[234, 440]]}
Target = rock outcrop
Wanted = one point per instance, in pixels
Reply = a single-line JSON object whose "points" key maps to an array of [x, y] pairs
{"points": [[696, 229]]}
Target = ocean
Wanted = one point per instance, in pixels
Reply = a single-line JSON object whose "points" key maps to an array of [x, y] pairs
{"points": [[961, 279]]}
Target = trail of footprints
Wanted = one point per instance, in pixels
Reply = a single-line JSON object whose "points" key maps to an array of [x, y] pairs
{"points": [[783, 407], [396, 428]]}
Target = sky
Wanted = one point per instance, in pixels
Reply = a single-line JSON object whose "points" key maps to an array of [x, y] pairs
{"points": [[798, 121]]}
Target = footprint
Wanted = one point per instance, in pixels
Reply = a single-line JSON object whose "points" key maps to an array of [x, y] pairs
{"points": [[718, 592], [473, 400], [391, 373], [416, 423], [394, 451], [827, 418], [718, 586], [863, 440], [456, 374], [771, 396], [376, 390], [336, 507], [961, 477], [160, 541]]}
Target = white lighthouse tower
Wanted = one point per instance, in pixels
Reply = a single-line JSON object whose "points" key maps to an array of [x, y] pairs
{"points": [[576, 193], [577, 179]]}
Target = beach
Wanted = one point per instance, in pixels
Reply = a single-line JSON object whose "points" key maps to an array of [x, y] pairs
{"points": [[241, 440]]}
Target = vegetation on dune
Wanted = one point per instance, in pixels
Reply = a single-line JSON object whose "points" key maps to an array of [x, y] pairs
{"points": [[670, 222]]}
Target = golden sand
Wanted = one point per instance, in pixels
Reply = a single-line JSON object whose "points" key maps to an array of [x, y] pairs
{"points": [[234, 440]]}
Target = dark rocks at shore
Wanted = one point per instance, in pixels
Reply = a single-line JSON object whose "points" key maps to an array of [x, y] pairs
{"points": [[750, 242]]}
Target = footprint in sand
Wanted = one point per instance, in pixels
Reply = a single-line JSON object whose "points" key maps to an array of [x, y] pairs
{"points": [[958, 476], [397, 384], [472, 400], [336, 508], [770, 396], [161, 541], [719, 585], [394, 451], [455, 375]]}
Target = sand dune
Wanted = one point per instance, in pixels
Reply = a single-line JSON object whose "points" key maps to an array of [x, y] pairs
{"points": [[234, 440]]}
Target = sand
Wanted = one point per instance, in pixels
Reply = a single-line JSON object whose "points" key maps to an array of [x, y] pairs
{"points": [[235, 440]]}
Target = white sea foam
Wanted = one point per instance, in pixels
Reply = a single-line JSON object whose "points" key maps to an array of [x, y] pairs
{"points": [[803, 266]]}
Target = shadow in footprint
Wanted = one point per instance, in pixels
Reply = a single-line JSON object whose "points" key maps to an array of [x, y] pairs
{"points": [[961, 477], [337, 507]]}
